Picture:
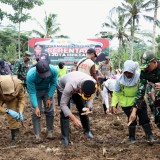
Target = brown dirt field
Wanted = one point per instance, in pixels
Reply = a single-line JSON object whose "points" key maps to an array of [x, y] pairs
{"points": [[110, 130]]}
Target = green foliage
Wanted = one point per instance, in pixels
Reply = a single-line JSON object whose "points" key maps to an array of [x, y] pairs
{"points": [[9, 37], [11, 54], [1, 15], [158, 39], [20, 7]]}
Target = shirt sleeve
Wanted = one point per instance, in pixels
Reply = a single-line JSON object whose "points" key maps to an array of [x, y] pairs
{"points": [[21, 98], [2, 109], [93, 73], [117, 86], [32, 90], [116, 94], [66, 95], [105, 96], [140, 90]]}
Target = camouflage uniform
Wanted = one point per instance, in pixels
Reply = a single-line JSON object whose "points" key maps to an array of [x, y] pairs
{"points": [[150, 89], [154, 77], [21, 68]]}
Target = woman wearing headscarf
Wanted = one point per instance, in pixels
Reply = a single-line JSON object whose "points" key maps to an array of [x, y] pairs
{"points": [[124, 93]]}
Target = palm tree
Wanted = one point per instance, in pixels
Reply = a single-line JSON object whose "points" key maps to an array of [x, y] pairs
{"points": [[132, 11], [155, 22], [118, 28], [49, 28]]}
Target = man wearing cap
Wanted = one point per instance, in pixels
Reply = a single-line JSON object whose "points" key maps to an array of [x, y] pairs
{"points": [[12, 95], [22, 66], [41, 84], [80, 87], [150, 72], [86, 65]]}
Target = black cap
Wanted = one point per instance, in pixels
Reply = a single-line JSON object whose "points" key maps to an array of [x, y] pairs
{"points": [[43, 68], [98, 46], [91, 50], [88, 88]]}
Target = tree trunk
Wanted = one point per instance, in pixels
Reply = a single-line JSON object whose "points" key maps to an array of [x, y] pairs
{"points": [[154, 26], [119, 53], [132, 36], [19, 42]]}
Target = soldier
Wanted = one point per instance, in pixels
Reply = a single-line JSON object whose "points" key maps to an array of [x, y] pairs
{"points": [[22, 66], [12, 94], [150, 72]]}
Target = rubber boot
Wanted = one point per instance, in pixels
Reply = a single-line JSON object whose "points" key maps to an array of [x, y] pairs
{"points": [[148, 131], [132, 134], [85, 123], [36, 125], [104, 108], [49, 124], [14, 133], [64, 129]]}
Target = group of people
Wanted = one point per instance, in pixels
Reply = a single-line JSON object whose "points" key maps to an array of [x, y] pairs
{"points": [[41, 80]]}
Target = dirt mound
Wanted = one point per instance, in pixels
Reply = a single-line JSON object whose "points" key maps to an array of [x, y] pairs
{"points": [[110, 132]]}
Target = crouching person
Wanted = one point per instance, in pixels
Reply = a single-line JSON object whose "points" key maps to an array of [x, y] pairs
{"points": [[125, 93], [12, 94], [80, 87], [41, 85]]}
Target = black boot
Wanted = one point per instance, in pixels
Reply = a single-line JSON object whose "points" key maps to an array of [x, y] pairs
{"points": [[148, 131], [132, 133], [64, 129], [104, 108], [85, 123], [14, 133]]}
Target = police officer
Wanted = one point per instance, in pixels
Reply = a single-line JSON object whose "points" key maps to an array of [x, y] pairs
{"points": [[150, 72], [22, 66], [80, 87]]}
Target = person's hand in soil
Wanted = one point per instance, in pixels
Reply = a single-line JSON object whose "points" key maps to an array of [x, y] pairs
{"points": [[133, 115], [108, 111], [114, 110], [37, 112], [49, 103], [76, 121]]}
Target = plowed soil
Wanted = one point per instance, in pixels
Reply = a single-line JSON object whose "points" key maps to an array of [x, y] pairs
{"points": [[110, 132]]}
